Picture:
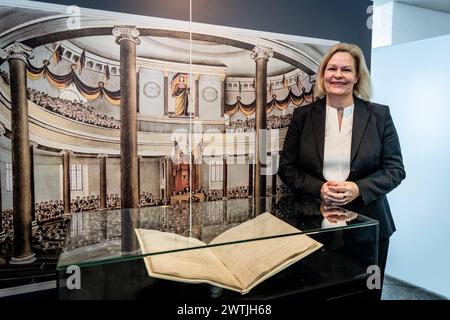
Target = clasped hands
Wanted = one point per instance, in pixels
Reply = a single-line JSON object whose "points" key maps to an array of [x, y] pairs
{"points": [[339, 193]]}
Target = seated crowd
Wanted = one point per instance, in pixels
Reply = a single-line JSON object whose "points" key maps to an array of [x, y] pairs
{"points": [[51, 235], [75, 110], [214, 195], [179, 196], [148, 200], [186, 190], [237, 192], [248, 125]]}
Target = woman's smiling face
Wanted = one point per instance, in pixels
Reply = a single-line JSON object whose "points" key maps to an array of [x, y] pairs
{"points": [[340, 75]]}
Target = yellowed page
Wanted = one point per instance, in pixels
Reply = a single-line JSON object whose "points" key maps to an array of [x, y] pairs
{"points": [[253, 262], [193, 266]]}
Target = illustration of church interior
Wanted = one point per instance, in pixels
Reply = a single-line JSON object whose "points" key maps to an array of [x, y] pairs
{"points": [[90, 109]]}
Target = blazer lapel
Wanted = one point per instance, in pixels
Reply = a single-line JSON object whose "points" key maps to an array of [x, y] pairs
{"points": [[318, 117], [360, 119]]}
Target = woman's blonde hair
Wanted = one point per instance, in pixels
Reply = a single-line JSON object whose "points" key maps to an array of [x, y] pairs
{"points": [[362, 88]]}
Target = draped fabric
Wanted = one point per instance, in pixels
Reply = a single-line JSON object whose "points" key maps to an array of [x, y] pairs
{"points": [[249, 109], [63, 81], [107, 74], [57, 55], [82, 60]]}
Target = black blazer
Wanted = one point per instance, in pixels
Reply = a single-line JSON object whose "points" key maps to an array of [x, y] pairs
{"points": [[376, 160]]}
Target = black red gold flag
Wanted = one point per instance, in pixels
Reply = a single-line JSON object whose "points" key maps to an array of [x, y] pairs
{"points": [[82, 60]]}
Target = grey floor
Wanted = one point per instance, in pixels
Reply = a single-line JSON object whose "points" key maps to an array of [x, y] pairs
{"points": [[395, 289]]}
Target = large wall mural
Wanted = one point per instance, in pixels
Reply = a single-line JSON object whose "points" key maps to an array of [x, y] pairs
{"points": [[108, 95]]}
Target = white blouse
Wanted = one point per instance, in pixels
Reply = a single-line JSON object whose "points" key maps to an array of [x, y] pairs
{"points": [[337, 148]]}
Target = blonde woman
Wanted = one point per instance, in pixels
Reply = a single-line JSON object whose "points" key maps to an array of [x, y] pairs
{"points": [[343, 148]]}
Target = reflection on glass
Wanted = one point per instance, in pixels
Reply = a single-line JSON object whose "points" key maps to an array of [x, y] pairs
{"points": [[335, 216], [110, 234]]}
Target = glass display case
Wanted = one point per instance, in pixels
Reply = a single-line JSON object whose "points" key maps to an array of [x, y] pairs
{"points": [[299, 248]]}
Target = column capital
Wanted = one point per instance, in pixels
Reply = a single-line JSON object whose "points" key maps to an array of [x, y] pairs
{"points": [[259, 52], [17, 50], [126, 33], [34, 145], [196, 76], [166, 73], [64, 152], [102, 155]]}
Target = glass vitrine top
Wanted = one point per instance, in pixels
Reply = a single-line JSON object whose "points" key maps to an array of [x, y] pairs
{"points": [[97, 237]]}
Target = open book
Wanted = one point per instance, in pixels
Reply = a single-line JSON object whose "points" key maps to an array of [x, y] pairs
{"points": [[239, 266]]}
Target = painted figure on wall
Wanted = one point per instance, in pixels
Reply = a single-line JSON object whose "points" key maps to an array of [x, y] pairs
{"points": [[180, 90], [181, 177], [181, 171]]}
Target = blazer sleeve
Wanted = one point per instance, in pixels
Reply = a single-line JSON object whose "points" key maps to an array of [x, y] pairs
{"points": [[289, 171], [391, 171]]}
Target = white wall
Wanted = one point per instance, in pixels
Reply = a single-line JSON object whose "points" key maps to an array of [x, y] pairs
{"points": [[5, 157], [412, 78], [395, 23], [413, 23], [150, 176], [47, 178], [210, 94], [382, 25], [237, 175], [151, 92], [93, 180], [113, 176]]}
